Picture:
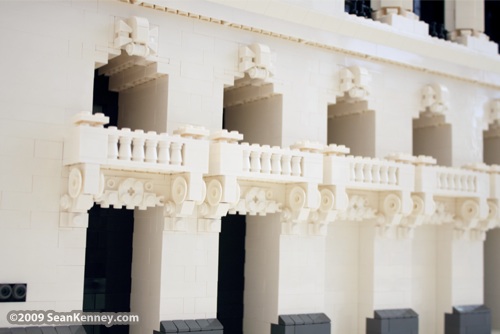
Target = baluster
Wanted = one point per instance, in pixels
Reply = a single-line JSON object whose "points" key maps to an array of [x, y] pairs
{"points": [[444, 181], [255, 165], [472, 183], [286, 165], [451, 183], [463, 181], [376, 174], [384, 176], [276, 162], [151, 144], [296, 168], [367, 173], [392, 174], [246, 157], [176, 153], [163, 150], [359, 170], [458, 184], [138, 146], [113, 143], [266, 159], [125, 151], [352, 169], [439, 183]]}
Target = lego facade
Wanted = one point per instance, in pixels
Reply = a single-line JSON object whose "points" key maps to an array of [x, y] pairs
{"points": [[352, 159]]}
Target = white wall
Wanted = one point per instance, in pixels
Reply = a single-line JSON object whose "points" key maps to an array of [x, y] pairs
{"points": [[342, 276], [45, 80], [492, 276], [424, 278]]}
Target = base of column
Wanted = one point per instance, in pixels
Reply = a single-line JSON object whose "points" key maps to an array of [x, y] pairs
{"points": [[192, 326], [397, 321], [468, 319], [315, 323], [478, 42]]}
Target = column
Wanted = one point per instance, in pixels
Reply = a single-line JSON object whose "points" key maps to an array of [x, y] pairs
{"points": [[399, 14], [459, 281], [284, 279], [385, 281], [465, 22], [174, 274]]}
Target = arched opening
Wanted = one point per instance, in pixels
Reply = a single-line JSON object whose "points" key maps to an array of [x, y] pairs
{"points": [[432, 133], [231, 273], [131, 92], [353, 125]]}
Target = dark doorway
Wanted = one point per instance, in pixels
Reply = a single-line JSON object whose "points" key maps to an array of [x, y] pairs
{"points": [[108, 265], [231, 273]]}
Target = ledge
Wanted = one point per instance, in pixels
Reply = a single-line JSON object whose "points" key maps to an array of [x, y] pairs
{"points": [[347, 34]]}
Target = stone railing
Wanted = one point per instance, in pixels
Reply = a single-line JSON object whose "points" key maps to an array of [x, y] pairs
{"points": [[362, 173], [123, 149], [300, 163], [451, 182]]}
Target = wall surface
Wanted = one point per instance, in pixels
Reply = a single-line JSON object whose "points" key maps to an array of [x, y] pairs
{"points": [[50, 53]]}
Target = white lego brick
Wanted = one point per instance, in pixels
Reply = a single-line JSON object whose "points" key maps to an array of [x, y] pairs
{"points": [[16, 182], [18, 147]]}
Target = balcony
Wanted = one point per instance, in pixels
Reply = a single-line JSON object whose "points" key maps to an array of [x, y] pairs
{"points": [[193, 174]]}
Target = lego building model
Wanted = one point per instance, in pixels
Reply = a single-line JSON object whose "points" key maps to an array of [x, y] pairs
{"points": [[256, 167]]}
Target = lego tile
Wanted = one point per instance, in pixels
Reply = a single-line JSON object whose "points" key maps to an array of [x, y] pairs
{"points": [[209, 324], [168, 327], [313, 329], [181, 326], [33, 330], [280, 329], [286, 320], [18, 331], [193, 326], [319, 318], [297, 319], [306, 319], [63, 330]]}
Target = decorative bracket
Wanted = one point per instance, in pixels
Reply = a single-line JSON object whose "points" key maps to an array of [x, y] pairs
{"points": [[354, 82], [435, 99], [257, 61], [135, 36]]}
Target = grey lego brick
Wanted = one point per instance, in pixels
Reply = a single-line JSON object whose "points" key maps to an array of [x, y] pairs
{"points": [[181, 326], [306, 319], [48, 330], [77, 329], [215, 324], [33, 330], [210, 325], [313, 329], [193, 326], [296, 319], [319, 318], [18, 330], [377, 325], [470, 309], [5, 331], [63, 330], [281, 329], [168, 327], [285, 320]]}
